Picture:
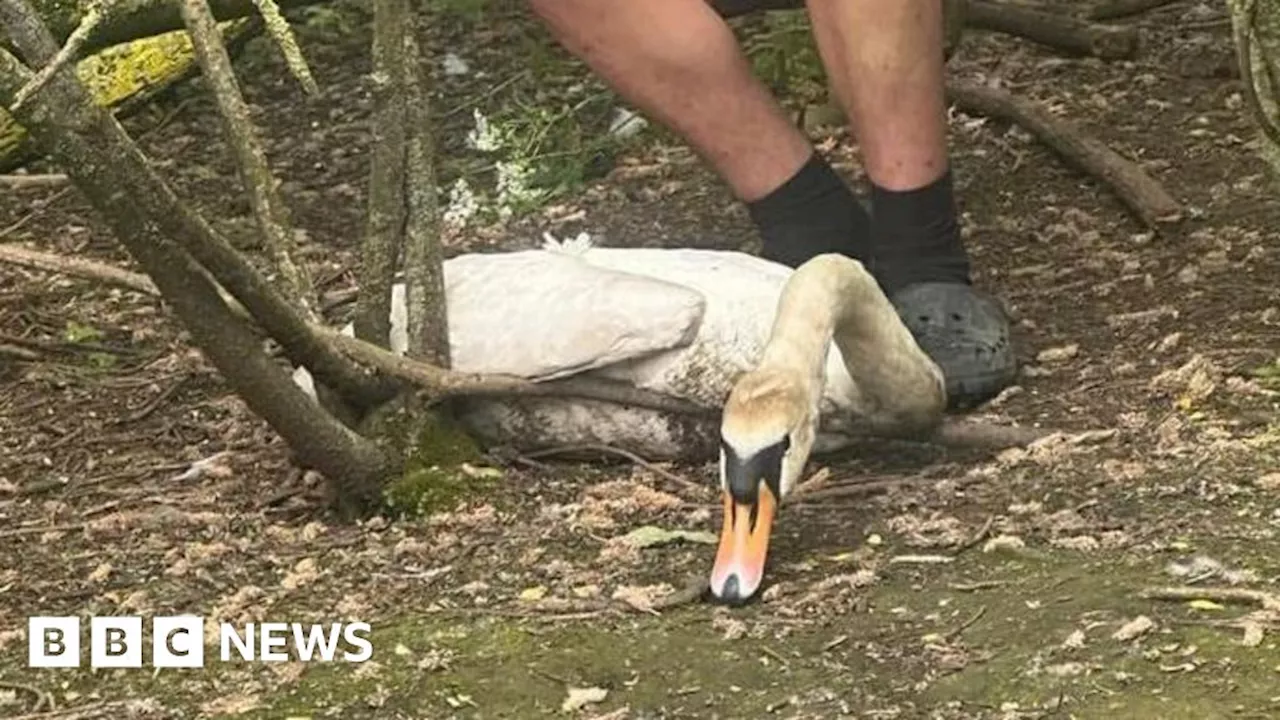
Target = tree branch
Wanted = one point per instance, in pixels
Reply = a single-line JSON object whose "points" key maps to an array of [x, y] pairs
{"points": [[173, 219], [1072, 35], [384, 229], [90, 145], [69, 52], [428, 315], [440, 383], [1143, 195], [78, 267], [255, 174]]}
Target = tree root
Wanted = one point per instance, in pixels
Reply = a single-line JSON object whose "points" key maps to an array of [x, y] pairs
{"points": [[1141, 193]]}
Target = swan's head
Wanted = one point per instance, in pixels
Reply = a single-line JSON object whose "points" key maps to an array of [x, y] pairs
{"points": [[766, 436]]}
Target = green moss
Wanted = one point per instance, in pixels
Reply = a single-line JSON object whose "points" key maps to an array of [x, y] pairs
{"points": [[440, 459]]}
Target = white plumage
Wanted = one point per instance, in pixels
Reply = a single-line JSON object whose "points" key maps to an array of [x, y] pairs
{"points": [[681, 322]]}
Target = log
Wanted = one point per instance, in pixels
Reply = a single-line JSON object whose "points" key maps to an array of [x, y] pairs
{"points": [[131, 20], [124, 78], [1114, 9], [1061, 32], [1143, 195]]}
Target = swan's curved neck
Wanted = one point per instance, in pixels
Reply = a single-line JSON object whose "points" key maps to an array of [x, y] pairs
{"points": [[834, 298]]}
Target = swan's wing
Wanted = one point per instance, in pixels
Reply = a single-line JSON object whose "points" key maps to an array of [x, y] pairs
{"points": [[543, 315]]}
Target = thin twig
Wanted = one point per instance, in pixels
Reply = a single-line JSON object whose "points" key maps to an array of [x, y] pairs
{"points": [[610, 450], [977, 538], [251, 158], [1265, 600], [39, 530], [446, 383], [69, 52], [20, 182], [77, 267], [43, 699], [955, 632]]}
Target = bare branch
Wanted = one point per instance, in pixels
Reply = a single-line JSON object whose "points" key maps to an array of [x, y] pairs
{"points": [[143, 187], [86, 141], [441, 383], [384, 229], [1144, 196], [288, 44], [19, 182], [428, 316], [255, 173], [88, 269], [69, 53]]}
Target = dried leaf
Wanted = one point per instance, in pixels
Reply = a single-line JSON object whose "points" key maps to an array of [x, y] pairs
{"points": [[1133, 628], [533, 594], [582, 697], [652, 536], [1204, 605]]}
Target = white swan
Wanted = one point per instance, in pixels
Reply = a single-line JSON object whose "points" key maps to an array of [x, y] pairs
{"points": [[714, 328]]}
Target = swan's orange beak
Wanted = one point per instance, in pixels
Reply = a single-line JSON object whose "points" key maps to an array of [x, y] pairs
{"points": [[744, 545]]}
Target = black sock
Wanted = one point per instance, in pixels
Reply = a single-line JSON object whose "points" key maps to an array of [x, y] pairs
{"points": [[917, 236], [813, 213]]}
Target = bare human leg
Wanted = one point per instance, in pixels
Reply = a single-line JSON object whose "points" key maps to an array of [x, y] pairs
{"points": [[885, 60], [678, 62]]}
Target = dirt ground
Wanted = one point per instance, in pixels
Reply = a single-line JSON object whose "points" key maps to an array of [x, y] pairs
{"points": [[971, 586]]}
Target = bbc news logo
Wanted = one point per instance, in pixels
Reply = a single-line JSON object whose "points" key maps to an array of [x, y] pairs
{"points": [[179, 642]]}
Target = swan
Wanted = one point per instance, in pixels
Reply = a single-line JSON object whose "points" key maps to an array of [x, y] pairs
{"points": [[795, 361]]}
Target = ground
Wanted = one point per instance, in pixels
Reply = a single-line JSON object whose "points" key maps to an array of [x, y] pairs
{"points": [[969, 586]]}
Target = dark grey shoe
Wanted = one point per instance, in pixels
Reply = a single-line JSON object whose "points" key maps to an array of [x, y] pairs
{"points": [[966, 333]]}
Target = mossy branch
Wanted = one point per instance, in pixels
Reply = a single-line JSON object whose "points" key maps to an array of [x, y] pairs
{"points": [[251, 158], [385, 223]]}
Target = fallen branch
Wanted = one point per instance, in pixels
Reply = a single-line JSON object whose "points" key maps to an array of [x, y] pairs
{"points": [[1141, 193], [442, 383], [21, 182], [1113, 9], [619, 452], [77, 267], [1264, 600], [18, 353], [42, 700], [1061, 32], [975, 435]]}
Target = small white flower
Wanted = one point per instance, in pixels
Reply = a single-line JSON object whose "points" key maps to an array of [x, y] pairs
{"points": [[462, 204], [483, 136]]}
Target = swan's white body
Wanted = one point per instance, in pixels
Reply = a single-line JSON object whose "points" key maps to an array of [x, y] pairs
{"points": [[681, 322]]}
